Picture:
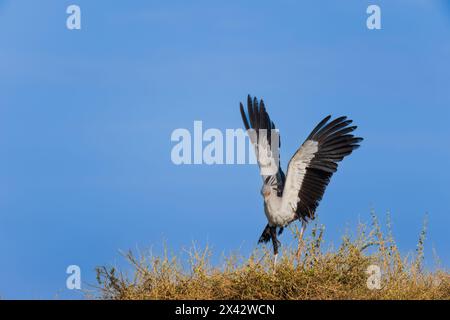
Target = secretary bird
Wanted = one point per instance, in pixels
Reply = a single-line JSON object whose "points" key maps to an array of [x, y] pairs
{"points": [[295, 196]]}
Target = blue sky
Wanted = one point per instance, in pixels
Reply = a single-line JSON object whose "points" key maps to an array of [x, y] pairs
{"points": [[86, 118]]}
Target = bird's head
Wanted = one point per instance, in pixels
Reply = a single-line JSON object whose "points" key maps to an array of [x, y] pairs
{"points": [[266, 191]]}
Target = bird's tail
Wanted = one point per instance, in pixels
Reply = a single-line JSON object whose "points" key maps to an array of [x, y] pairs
{"points": [[266, 236]]}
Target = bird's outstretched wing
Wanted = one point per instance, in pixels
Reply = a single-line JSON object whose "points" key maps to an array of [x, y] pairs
{"points": [[265, 139], [311, 167]]}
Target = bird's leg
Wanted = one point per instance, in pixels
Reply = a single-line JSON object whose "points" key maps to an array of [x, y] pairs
{"points": [[300, 240], [302, 229], [276, 243]]}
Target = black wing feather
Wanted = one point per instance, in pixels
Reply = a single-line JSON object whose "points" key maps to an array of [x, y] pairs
{"points": [[259, 119], [335, 142]]}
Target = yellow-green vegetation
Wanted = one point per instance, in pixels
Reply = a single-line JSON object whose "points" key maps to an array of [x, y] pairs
{"points": [[306, 271]]}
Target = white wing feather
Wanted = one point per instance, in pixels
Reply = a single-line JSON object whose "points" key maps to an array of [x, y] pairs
{"points": [[296, 173], [267, 159]]}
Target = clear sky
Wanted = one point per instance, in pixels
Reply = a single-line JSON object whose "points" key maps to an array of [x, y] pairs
{"points": [[86, 118]]}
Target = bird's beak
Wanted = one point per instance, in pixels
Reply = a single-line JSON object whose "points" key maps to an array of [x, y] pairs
{"points": [[266, 194]]}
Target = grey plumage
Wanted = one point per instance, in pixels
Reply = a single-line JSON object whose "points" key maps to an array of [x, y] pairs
{"points": [[297, 194]]}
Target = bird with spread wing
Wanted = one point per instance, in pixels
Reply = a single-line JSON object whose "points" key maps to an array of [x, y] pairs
{"points": [[296, 195]]}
